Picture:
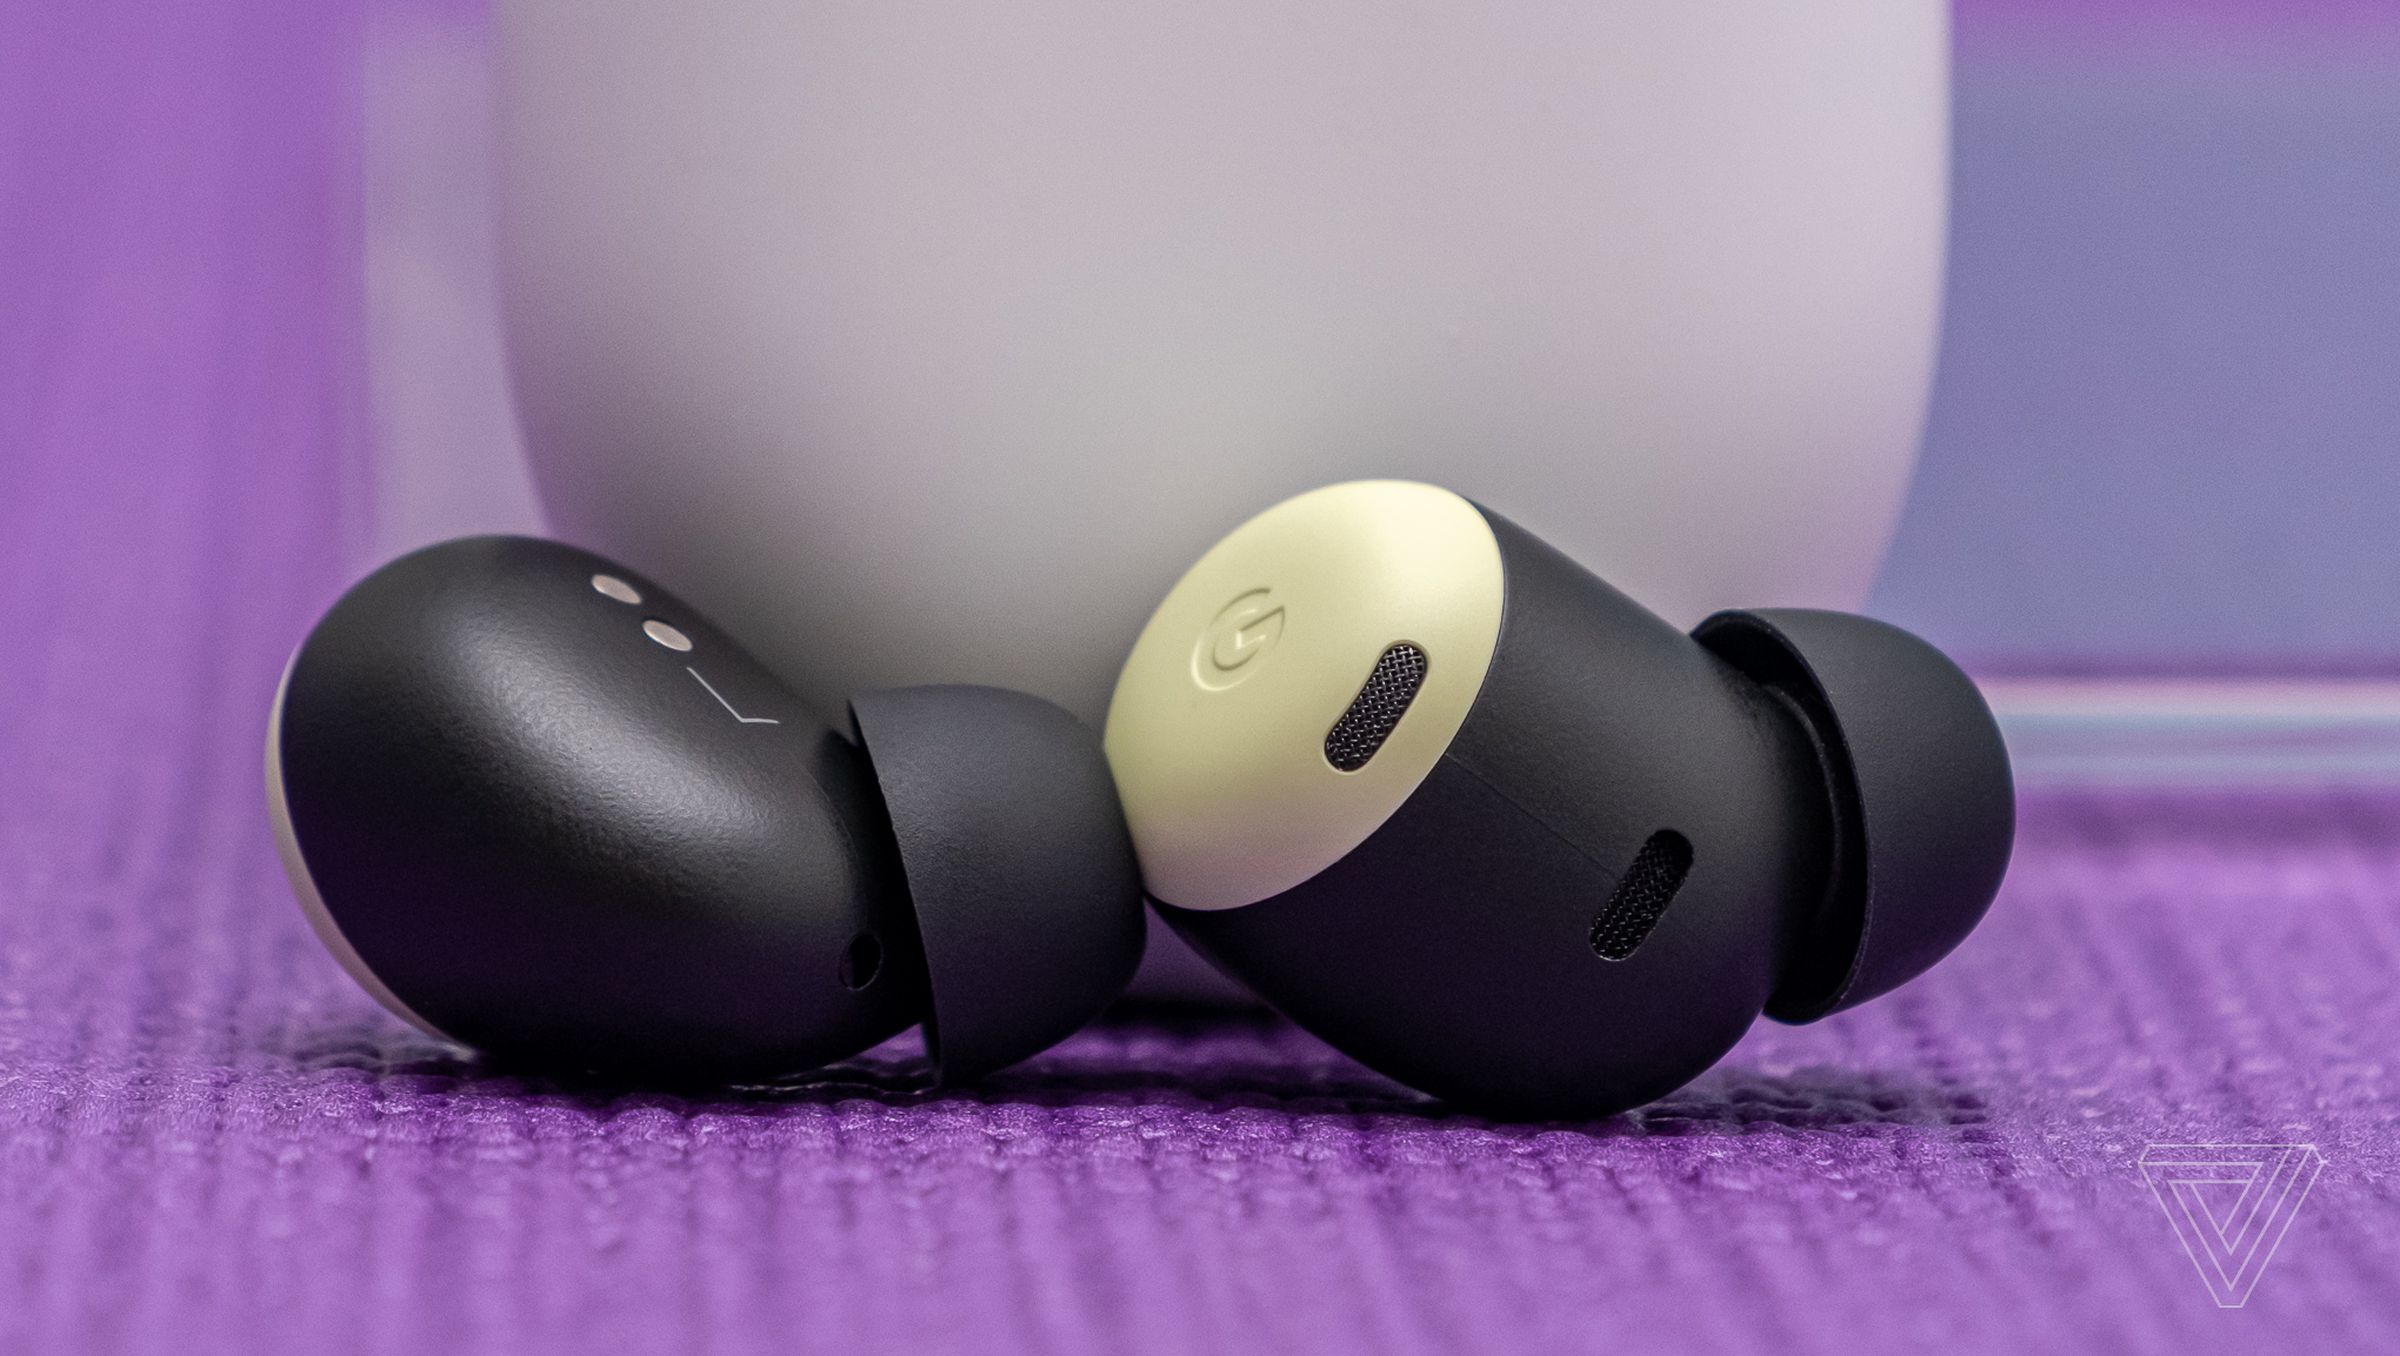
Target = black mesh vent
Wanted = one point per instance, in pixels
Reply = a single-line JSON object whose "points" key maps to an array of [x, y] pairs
{"points": [[1377, 708], [1648, 886]]}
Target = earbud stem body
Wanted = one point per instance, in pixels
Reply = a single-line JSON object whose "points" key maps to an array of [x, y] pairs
{"points": [[1455, 948]]}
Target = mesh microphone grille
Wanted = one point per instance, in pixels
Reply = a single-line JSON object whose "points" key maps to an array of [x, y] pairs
{"points": [[1642, 894], [1390, 687]]}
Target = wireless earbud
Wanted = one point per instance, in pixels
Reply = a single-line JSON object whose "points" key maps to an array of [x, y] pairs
{"points": [[1478, 819], [540, 807]]}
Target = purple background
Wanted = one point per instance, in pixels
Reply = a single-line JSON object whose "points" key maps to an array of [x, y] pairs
{"points": [[2165, 433], [210, 1141]]}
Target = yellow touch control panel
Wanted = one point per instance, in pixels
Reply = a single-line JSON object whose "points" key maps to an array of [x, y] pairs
{"points": [[1217, 733]]}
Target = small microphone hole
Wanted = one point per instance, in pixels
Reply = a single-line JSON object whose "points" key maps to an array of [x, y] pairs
{"points": [[862, 960], [1642, 895], [1384, 698]]}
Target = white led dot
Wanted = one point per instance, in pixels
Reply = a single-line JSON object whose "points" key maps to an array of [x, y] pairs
{"points": [[613, 587], [666, 635]]}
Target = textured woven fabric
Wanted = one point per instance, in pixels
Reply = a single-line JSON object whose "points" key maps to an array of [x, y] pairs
{"points": [[210, 1141]]}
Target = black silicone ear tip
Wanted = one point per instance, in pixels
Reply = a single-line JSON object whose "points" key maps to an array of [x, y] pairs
{"points": [[1017, 856], [1923, 798]]}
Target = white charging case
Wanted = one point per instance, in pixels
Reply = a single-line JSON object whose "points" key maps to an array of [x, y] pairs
{"points": [[933, 340]]}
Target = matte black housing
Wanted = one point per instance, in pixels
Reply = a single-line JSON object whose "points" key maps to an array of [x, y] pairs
{"points": [[1456, 949], [555, 838]]}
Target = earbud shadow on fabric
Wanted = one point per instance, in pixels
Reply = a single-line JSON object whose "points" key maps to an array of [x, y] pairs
{"points": [[1150, 1059]]}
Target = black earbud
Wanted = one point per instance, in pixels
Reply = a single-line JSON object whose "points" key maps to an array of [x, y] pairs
{"points": [[542, 808], [1422, 782], [1478, 819]]}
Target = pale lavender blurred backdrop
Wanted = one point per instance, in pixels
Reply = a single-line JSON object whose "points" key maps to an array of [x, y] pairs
{"points": [[2165, 432]]}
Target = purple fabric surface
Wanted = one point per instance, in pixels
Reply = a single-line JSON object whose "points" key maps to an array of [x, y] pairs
{"points": [[211, 1142]]}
